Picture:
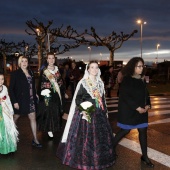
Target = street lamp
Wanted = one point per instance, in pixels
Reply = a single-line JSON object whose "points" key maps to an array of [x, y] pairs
{"points": [[157, 46], [141, 31], [89, 53], [101, 55], [26, 50], [38, 31], [101, 58]]}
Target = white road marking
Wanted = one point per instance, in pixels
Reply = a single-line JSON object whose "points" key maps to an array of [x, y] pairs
{"points": [[113, 111], [160, 121], [159, 102], [152, 154], [112, 101], [158, 112], [112, 105], [160, 106]]}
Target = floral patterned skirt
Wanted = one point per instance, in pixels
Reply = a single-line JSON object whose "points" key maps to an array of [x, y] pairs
{"points": [[89, 146]]}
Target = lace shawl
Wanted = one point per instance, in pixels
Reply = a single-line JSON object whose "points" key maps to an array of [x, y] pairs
{"points": [[73, 104]]}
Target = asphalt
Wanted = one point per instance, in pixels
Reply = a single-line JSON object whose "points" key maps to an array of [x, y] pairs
{"points": [[28, 157]]}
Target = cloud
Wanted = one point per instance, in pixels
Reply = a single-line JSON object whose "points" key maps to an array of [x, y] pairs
{"points": [[104, 15]]}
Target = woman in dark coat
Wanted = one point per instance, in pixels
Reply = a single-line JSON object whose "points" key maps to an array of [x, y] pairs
{"points": [[23, 95], [134, 102]]}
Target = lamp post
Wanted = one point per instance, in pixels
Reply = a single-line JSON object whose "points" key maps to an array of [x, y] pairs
{"points": [[101, 55], [89, 53], [26, 50], [101, 58], [141, 32], [157, 46], [39, 41]]}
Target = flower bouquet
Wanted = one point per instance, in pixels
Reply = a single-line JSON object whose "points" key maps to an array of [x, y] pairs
{"points": [[88, 108], [46, 94]]}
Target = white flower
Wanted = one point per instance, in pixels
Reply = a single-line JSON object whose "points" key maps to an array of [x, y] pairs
{"points": [[86, 105], [86, 109], [46, 92]]}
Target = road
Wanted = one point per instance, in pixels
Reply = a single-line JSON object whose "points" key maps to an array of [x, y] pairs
{"points": [[28, 157]]}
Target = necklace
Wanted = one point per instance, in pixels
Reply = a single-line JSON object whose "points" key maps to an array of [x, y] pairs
{"points": [[51, 68]]}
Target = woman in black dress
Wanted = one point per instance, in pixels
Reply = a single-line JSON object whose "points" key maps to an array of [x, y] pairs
{"points": [[23, 95], [134, 102], [88, 143], [51, 94]]}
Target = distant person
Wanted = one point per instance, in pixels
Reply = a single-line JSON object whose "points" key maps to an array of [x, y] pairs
{"points": [[119, 80], [23, 95], [8, 131], [74, 77], [109, 80], [66, 75], [133, 105], [61, 69]]}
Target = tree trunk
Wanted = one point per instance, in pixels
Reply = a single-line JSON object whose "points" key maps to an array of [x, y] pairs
{"points": [[39, 57], [111, 58]]}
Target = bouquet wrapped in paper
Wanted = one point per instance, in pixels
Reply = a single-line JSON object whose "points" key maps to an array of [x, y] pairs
{"points": [[46, 94], [86, 107]]}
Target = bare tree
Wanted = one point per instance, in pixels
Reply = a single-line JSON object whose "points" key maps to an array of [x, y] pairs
{"points": [[40, 31], [6, 48], [74, 39], [113, 42], [28, 49], [43, 35]]}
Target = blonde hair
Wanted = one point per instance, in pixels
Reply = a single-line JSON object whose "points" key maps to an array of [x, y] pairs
{"points": [[20, 59]]}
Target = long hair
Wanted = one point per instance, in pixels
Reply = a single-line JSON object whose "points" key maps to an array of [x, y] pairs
{"points": [[129, 69]]}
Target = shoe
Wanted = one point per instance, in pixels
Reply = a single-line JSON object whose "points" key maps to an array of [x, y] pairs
{"points": [[50, 134], [38, 145], [147, 162]]}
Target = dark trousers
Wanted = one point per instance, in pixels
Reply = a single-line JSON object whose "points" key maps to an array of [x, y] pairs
{"points": [[142, 139]]}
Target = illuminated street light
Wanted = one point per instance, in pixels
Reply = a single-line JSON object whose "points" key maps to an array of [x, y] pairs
{"points": [[157, 46], [16, 54], [38, 31], [89, 53], [141, 31], [101, 55]]}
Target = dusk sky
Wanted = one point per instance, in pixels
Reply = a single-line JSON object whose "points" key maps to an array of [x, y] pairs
{"points": [[104, 15]]}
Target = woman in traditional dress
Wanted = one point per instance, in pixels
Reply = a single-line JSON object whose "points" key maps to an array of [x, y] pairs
{"points": [[51, 92], [23, 96], [8, 131], [87, 141]]}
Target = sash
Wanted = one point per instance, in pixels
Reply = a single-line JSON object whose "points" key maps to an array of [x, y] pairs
{"points": [[54, 83]]}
